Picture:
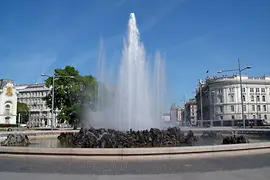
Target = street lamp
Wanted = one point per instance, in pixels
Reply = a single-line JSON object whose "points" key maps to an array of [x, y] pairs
{"points": [[53, 78], [185, 114], [201, 102], [213, 98], [241, 86]]}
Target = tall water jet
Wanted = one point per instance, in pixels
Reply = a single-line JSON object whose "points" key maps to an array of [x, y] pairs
{"points": [[134, 95], [135, 102], [159, 84], [101, 76]]}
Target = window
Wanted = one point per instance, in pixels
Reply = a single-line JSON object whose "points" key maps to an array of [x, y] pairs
{"points": [[244, 90], [7, 120], [253, 107], [221, 109], [254, 116], [265, 116], [220, 99], [244, 98], [259, 117], [231, 89], [251, 89], [7, 109], [264, 107], [263, 98], [258, 107], [252, 98], [263, 90], [257, 90], [220, 90], [232, 116], [245, 108], [245, 116], [231, 98], [258, 99], [221, 117], [232, 108]]}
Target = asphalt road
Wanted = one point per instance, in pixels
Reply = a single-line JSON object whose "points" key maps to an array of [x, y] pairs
{"points": [[254, 174], [87, 167]]}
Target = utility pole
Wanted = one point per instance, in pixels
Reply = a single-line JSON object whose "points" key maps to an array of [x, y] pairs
{"points": [[185, 113], [201, 103], [52, 102], [53, 79], [241, 90], [19, 119], [214, 109], [241, 86]]}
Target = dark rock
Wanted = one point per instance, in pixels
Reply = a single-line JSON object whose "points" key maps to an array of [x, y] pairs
{"points": [[235, 140], [109, 138], [16, 140]]}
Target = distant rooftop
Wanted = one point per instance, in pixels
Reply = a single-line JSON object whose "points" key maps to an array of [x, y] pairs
{"points": [[29, 85], [236, 76]]}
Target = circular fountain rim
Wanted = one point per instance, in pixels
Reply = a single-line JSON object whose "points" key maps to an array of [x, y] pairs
{"points": [[141, 153]]}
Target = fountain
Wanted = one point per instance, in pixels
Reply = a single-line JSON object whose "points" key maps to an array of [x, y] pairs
{"points": [[137, 99], [130, 116]]}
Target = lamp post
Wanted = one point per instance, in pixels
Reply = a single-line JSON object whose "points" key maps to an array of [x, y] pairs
{"points": [[53, 79], [214, 110], [201, 103], [241, 86], [185, 113]]}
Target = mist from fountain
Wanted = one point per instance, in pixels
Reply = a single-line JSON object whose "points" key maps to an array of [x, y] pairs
{"points": [[137, 99]]}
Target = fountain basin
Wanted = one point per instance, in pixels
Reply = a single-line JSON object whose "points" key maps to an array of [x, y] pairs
{"points": [[141, 153]]}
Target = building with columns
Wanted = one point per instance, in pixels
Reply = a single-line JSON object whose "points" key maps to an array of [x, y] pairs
{"points": [[221, 99], [8, 102], [32, 94]]}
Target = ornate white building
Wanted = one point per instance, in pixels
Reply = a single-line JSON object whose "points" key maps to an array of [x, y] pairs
{"points": [[32, 94], [8, 102], [221, 98]]}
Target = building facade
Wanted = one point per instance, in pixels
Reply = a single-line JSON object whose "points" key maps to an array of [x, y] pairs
{"points": [[221, 98], [176, 113], [191, 112], [179, 113], [166, 117], [8, 102], [173, 112], [32, 94]]}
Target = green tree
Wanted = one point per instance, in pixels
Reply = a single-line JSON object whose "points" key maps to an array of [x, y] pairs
{"points": [[23, 110], [71, 95]]}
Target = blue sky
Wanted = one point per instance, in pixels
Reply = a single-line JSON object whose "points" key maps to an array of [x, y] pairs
{"points": [[194, 36]]}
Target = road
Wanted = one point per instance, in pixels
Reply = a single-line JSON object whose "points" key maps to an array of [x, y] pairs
{"points": [[237, 167]]}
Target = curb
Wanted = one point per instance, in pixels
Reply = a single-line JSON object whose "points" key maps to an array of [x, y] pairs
{"points": [[140, 153]]}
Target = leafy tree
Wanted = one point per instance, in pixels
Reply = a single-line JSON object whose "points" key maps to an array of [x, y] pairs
{"points": [[23, 110], [71, 95]]}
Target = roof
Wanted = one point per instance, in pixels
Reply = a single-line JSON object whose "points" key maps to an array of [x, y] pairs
{"points": [[235, 79], [3, 82]]}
